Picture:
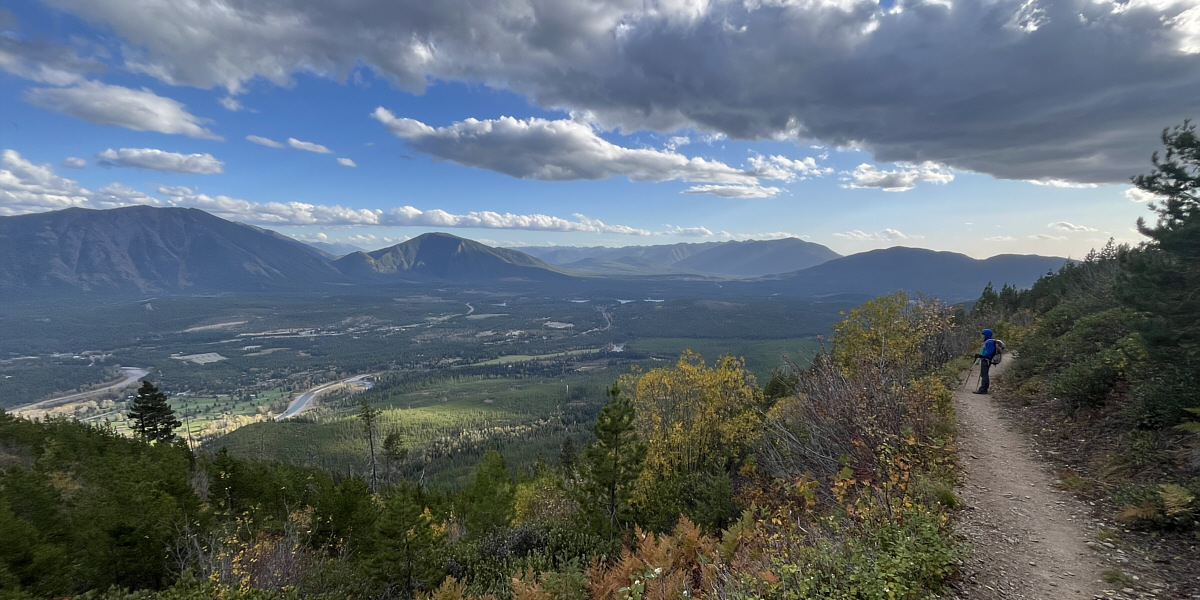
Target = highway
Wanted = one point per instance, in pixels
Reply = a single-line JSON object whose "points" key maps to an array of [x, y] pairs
{"points": [[131, 375], [304, 401]]}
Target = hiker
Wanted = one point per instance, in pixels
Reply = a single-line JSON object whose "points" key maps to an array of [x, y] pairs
{"points": [[985, 360]]}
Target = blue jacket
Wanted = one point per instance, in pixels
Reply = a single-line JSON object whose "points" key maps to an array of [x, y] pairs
{"points": [[989, 345]]}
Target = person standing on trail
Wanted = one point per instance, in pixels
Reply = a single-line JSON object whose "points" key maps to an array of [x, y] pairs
{"points": [[986, 352]]}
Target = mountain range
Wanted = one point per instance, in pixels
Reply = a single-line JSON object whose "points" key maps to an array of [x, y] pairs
{"points": [[751, 258], [143, 250]]}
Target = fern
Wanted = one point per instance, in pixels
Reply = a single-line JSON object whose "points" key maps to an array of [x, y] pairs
{"points": [[1176, 499], [1191, 426]]}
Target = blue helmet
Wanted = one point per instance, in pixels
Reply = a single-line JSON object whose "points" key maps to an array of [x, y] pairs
{"points": [[987, 334]]}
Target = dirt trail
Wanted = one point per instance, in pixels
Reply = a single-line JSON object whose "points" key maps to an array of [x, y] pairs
{"points": [[1028, 538]]}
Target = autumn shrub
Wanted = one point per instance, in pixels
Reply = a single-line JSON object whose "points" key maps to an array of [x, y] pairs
{"points": [[872, 557]]}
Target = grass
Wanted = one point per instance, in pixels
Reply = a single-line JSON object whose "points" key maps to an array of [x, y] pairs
{"points": [[445, 424], [516, 358]]}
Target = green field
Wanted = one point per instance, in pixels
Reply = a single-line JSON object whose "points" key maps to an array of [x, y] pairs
{"points": [[446, 425], [516, 358]]}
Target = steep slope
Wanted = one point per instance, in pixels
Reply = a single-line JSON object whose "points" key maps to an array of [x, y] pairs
{"points": [[947, 275], [754, 258], [750, 258], [141, 249], [441, 256]]}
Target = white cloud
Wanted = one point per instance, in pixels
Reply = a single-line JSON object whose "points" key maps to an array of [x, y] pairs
{"points": [[231, 103], [1000, 238], [734, 191], [1137, 195], [1048, 237], [787, 169], [160, 160], [346, 162], [26, 187], [1065, 226], [886, 235], [902, 179], [976, 93], [44, 62], [74, 162], [139, 110], [412, 216], [562, 150], [309, 146], [1062, 183], [687, 231], [262, 141]]}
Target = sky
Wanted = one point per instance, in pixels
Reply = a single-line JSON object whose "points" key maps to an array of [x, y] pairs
{"points": [[984, 127]]}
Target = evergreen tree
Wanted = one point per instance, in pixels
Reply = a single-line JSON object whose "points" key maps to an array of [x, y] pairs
{"points": [[610, 466], [408, 553], [151, 417], [370, 417], [489, 501]]}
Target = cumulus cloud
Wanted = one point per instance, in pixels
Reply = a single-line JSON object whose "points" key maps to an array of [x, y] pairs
{"points": [[161, 160], [44, 62], [1065, 226], [26, 187], [74, 162], [562, 150], [231, 104], [787, 169], [734, 191], [412, 216], [103, 104], [686, 231], [901, 179], [1028, 90], [886, 235], [308, 146], [1061, 183], [1138, 195], [262, 141], [346, 162]]}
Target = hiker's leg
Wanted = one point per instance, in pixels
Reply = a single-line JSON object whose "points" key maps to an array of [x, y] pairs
{"points": [[985, 365]]}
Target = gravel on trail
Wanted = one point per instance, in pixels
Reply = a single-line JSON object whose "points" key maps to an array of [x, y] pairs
{"points": [[1027, 538]]}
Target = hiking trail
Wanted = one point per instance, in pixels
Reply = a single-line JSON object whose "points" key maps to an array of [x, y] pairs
{"points": [[1027, 538]]}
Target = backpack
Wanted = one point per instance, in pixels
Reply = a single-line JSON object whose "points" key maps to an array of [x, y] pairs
{"points": [[999, 351]]}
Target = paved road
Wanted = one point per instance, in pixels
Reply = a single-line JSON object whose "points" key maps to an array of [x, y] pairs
{"points": [[303, 402], [131, 375]]}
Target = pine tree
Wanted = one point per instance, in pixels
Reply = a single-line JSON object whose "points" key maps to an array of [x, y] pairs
{"points": [[610, 466], [490, 499], [152, 418]]}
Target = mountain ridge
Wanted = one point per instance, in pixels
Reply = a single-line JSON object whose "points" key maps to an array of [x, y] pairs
{"points": [[147, 250]]}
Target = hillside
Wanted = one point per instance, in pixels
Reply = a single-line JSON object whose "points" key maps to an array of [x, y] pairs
{"points": [[947, 275], [144, 250], [751, 258], [443, 256]]}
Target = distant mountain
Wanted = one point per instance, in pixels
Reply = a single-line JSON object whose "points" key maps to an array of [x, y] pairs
{"points": [[144, 250], [751, 258], [335, 250], [445, 257], [947, 275]]}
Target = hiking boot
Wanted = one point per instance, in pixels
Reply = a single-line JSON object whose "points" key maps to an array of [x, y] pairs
{"points": [[979, 392]]}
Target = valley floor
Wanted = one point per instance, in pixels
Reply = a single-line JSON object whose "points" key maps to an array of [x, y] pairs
{"points": [[1027, 538]]}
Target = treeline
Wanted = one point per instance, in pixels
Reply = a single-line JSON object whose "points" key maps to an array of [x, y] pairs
{"points": [[831, 481], [1112, 345]]}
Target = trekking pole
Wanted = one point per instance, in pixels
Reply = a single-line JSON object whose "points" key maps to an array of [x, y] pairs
{"points": [[971, 372]]}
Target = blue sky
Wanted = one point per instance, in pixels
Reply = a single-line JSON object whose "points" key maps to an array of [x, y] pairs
{"points": [[982, 127]]}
